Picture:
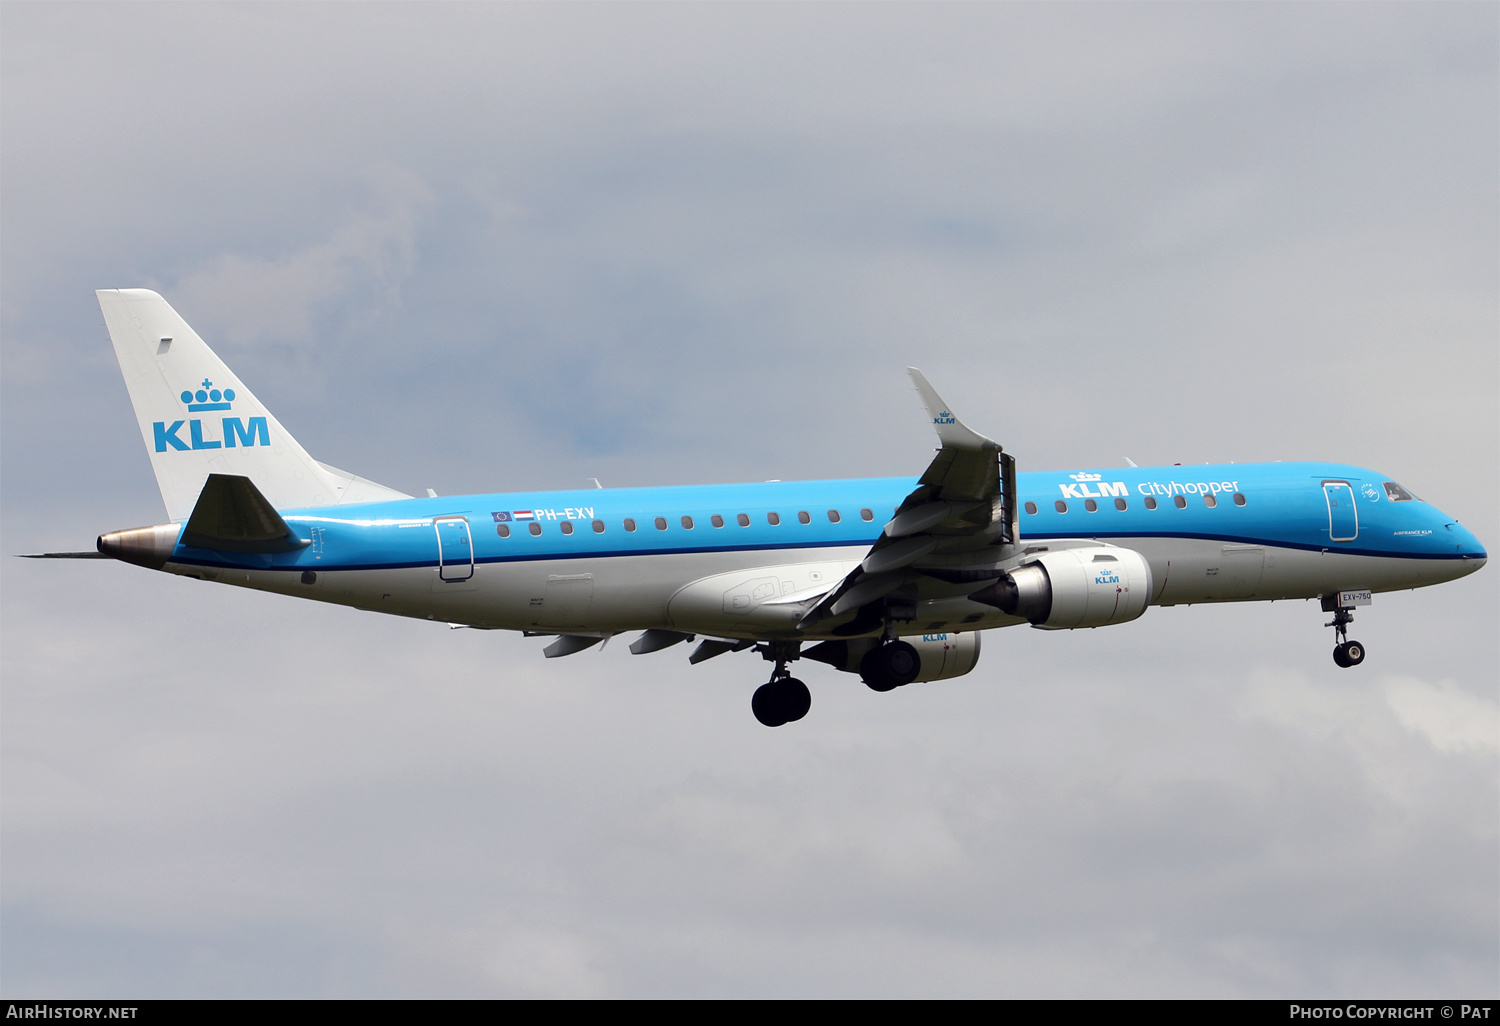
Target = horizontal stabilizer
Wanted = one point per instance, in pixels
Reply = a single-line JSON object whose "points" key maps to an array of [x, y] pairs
{"points": [[233, 516]]}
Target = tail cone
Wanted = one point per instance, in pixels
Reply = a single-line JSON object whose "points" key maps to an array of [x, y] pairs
{"points": [[150, 547]]}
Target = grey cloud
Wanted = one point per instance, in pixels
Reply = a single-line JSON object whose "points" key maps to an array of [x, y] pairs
{"points": [[275, 297]]}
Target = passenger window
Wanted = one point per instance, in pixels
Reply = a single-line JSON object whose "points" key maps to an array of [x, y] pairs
{"points": [[629, 525], [503, 530], [661, 523], [1060, 506], [866, 515], [742, 520], [1209, 500], [1031, 508], [534, 527], [1396, 493], [1091, 505], [804, 517], [716, 520], [1150, 502], [567, 527], [598, 527], [833, 516], [1121, 505], [687, 523], [773, 519], [1180, 501], [1239, 498]]}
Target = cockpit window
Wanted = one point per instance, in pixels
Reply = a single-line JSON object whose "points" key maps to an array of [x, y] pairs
{"points": [[1396, 493]]}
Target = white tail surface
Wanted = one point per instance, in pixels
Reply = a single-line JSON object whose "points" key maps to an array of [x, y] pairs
{"points": [[197, 418]]}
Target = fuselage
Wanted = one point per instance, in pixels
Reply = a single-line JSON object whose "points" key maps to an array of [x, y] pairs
{"points": [[732, 560]]}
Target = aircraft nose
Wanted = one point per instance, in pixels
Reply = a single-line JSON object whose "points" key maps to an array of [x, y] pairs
{"points": [[1469, 549]]}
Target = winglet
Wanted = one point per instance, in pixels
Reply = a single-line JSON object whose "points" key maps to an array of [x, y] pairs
{"points": [[951, 431]]}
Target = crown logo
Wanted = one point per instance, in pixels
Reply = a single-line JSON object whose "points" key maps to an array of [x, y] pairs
{"points": [[1085, 477], [207, 398]]}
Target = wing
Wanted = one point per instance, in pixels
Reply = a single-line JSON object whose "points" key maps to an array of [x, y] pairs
{"points": [[946, 536]]}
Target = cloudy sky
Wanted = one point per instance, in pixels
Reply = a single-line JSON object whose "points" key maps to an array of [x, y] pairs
{"points": [[481, 247]]}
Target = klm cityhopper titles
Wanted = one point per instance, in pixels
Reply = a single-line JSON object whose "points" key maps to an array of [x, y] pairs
{"points": [[889, 578]]}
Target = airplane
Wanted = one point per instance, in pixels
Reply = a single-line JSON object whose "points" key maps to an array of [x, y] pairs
{"points": [[890, 578]]}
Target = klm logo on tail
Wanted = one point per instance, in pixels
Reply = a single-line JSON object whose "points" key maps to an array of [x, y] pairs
{"points": [[235, 430]]}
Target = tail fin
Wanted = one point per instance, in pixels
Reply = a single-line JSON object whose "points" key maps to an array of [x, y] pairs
{"points": [[197, 418]]}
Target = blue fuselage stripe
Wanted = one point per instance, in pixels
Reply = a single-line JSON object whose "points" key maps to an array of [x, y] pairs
{"points": [[1285, 506]]}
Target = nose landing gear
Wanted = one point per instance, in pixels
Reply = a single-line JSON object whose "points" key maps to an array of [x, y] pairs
{"points": [[1346, 653]]}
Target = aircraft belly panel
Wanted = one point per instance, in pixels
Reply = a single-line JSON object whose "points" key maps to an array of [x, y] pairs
{"points": [[1189, 570], [752, 599]]}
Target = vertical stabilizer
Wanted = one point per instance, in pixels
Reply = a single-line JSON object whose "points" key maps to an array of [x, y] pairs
{"points": [[197, 418]]}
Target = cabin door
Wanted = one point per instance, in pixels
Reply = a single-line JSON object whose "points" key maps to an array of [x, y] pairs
{"points": [[1343, 519], [455, 548]]}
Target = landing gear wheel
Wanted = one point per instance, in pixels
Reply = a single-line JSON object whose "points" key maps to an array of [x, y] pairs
{"points": [[1350, 653], [766, 707], [890, 666], [795, 698], [781, 701], [1346, 653]]}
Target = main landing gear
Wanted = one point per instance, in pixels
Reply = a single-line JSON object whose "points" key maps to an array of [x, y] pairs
{"points": [[894, 664], [1346, 653], [891, 665], [784, 698]]}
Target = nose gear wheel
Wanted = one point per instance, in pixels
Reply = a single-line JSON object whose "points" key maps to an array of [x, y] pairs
{"points": [[1346, 653]]}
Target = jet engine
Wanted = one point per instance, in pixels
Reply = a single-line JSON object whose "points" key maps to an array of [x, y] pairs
{"points": [[943, 655], [1092, 586]]}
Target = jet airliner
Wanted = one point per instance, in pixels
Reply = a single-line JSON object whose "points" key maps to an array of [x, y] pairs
{"points": [[890, 578]]}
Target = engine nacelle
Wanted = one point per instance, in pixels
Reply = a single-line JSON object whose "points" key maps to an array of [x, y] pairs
{"points": [[1092, 586], [944, 655]]}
